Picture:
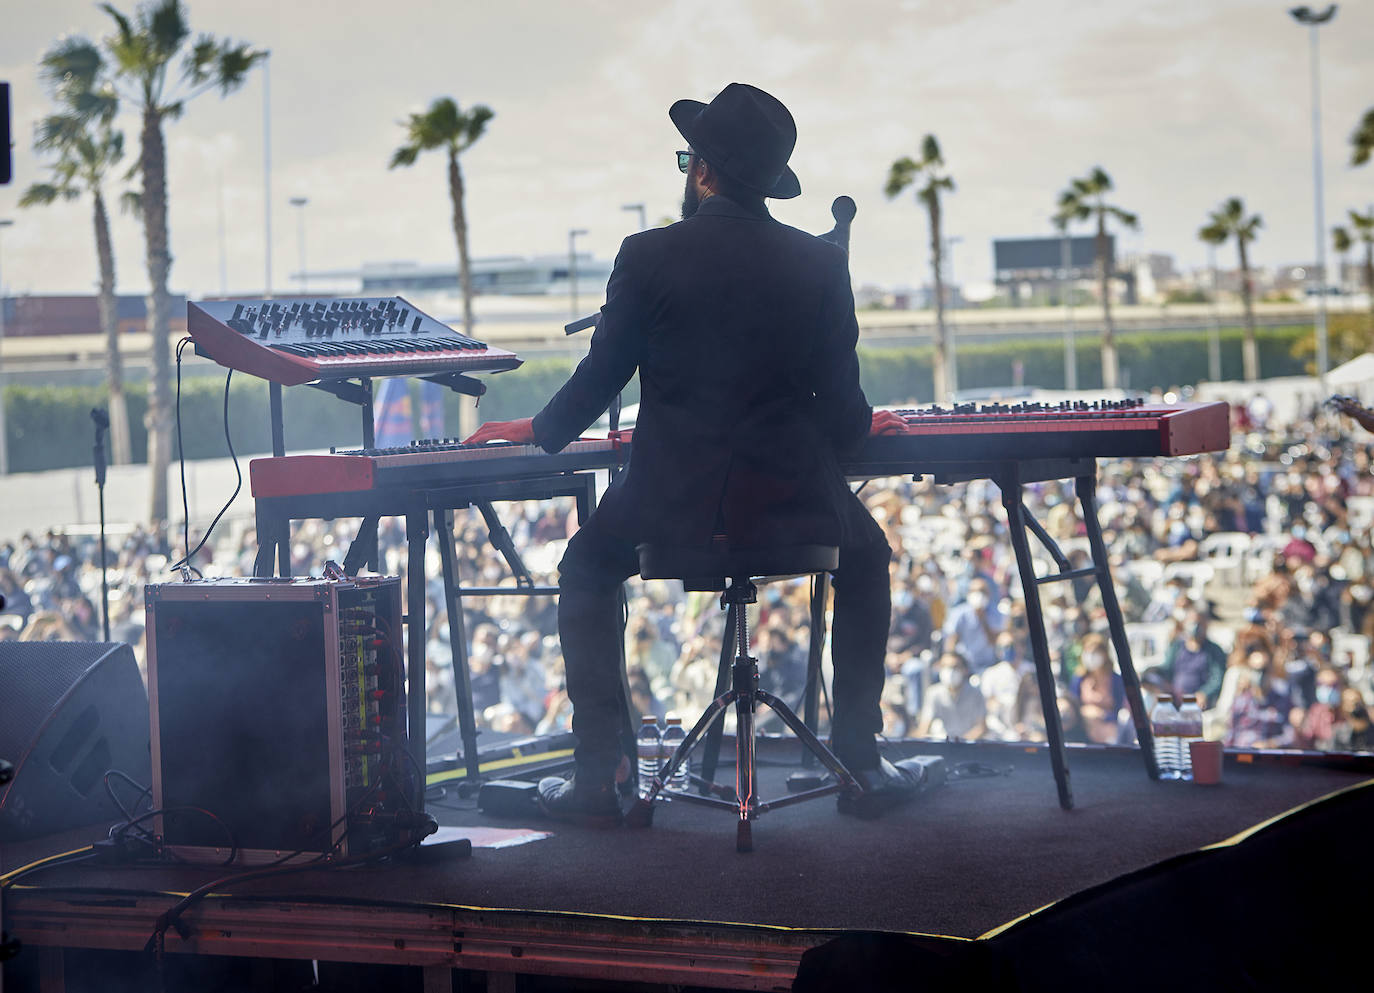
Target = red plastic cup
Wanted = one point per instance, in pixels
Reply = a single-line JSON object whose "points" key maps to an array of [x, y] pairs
{"points": [[1206, 762]]}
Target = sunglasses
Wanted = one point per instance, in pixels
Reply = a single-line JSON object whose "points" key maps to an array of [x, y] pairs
{"points": [[684, 161]]}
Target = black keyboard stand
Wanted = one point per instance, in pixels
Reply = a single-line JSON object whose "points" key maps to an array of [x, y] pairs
{"points": [[1010, 477]]}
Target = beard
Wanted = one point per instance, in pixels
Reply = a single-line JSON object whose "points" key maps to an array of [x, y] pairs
{"points": [[690, 200]]}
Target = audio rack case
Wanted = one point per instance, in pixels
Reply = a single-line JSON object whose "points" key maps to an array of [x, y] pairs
{"points": [[276, 704]]}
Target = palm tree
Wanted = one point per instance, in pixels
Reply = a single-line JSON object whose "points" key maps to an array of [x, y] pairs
{"points": [[1362, 139], [1363, 230], [444, 126], [1084, 200], [141, 54], [87, 147], [928, 172], [1226, 222]]}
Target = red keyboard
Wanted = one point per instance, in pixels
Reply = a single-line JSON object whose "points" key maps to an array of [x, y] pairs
{"points": [[299, 341], [423, 465], [1072, 429]]}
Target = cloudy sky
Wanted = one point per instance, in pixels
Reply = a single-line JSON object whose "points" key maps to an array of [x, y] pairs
{"points": [[1183, 102]]}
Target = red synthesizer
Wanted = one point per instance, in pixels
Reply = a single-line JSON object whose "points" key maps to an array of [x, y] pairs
{"points": [[426, 464], [302, 340], [1070, 429]]}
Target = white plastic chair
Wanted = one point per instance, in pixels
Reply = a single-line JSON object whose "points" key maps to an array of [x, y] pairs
{"points": [[1148, 641], [1227, 552], [1197, 574], [1361, 512], [1355, 646]]}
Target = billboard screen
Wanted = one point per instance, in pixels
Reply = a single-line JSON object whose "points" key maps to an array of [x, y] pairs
{"points": [[1046, 253]]}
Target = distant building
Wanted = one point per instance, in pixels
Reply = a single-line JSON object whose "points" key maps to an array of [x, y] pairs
{"points": [[31, 316], [1033, 269], [509, 275]]}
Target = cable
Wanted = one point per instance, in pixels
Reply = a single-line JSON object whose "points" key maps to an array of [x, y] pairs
{"points": [[75, 855], [238, 473], [144, 792], [119, 831], [171, 918]]}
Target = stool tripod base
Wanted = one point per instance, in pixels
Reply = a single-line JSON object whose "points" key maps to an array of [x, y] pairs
{"points": [[746, 805]]}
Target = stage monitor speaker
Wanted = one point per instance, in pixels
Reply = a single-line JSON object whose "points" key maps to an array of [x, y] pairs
{"points": [[69, 712]]}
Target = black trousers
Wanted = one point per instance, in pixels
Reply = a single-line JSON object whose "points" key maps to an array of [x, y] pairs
{"points": [[597, 561]]}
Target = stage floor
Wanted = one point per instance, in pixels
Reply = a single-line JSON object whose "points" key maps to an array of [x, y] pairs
{"points": [[960, 861]]}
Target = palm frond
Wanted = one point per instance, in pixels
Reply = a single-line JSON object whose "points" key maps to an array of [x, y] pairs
{"points": [[166, 28], [42, 194], [900, 175], [73, 65], [1214, 234], [57, 132], [475, 125], [1362, 139], [1341, 240], [930, 151], [131, 202], [404, 156]]}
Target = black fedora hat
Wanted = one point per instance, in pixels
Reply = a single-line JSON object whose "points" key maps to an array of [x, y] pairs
{"points": [[745, 133]]}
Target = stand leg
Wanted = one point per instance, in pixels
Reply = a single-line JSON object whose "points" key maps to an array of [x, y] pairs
{"points": [[458, 644], [710, 759], [1086, 488], [812, 745], [417, 531], [811, 697], [746, 675], [1010, 485], [703, 724], [363, 549]]}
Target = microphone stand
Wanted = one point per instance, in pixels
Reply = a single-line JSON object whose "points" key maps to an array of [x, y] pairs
{"points": [[102, 423]]}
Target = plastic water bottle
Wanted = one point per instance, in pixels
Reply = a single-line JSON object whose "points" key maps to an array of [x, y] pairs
{"points": [[649, 746], [1189, 730], [1164, 725], [673, 736]]}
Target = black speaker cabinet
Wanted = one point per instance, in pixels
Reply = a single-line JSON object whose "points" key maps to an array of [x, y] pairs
{"points": [[69, 712], [279, 706]]}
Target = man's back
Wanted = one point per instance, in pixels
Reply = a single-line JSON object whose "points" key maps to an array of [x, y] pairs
{"points": [[743, 333]]}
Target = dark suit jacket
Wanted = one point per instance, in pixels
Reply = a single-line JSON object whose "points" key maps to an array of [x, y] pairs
{"points": [[743, 332]]}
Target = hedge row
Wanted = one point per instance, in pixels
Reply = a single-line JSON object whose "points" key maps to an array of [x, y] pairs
{"points": [[49, 427]]}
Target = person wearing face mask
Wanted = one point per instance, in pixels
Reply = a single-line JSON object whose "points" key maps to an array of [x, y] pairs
{"points": [[1193, 665], [1320, 723], [972, 626], [1100, 692], [952, 707], [1000, 685], [1259, 713]]}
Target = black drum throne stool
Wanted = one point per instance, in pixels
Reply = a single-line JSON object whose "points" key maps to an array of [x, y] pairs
{"points": [[734, 570]]}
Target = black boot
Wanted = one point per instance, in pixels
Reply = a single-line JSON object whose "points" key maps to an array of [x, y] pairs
{"points": [[884, 788], [591, 802]]}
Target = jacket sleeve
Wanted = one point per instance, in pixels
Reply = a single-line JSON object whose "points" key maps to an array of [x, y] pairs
{"points": [[608, 366], [841, 409]]}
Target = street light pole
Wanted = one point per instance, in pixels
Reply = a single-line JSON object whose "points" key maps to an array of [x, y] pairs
{"points": [[1313, 20], [4, 450], [1066, 288], [572, 267], [643, 222], [952, 363], [1214, 335], [300, 203], [267, 172]]}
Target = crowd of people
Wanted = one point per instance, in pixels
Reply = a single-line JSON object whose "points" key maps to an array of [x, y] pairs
{"points": [[1272, 637]]}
